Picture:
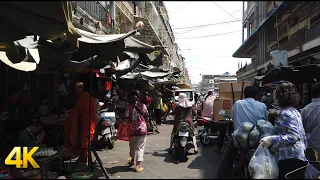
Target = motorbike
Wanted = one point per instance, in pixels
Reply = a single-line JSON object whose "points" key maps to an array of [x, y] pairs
{"points": [[182, 141], [208, 130], [205, 133], [105, 133]]}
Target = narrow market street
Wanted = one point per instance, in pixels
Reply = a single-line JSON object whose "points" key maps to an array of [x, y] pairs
{"points": [[158, 163]]}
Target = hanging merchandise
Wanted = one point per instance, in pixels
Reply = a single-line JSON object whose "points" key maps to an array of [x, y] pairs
{"points": [[108, 85], [62, 91]]}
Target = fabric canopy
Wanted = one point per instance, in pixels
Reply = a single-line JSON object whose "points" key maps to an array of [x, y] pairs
{"points": [[47, 19]]}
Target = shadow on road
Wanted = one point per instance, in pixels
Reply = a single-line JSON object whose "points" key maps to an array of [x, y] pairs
{"points": [[208, 161], [168, 158], [118, 169]]}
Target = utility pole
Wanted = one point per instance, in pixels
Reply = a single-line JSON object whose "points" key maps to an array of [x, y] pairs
{"points": [[242, 23]]}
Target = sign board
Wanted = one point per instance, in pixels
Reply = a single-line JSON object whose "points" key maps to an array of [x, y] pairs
{"points": [[226, 104], [280, 58]]}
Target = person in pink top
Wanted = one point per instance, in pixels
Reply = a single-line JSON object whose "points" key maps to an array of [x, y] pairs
{"points": [[207, 105], [137, 115]]}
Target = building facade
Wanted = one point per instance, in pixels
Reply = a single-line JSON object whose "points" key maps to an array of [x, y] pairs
{"points": [[110, 17], [278, 25], [209, 82]]}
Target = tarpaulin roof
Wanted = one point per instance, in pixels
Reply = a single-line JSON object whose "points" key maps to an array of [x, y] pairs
{"points": [[149, 73], [48, 19]]}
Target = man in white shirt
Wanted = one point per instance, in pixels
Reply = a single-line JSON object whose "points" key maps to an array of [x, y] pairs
{"points": [[311, 123], [246, 110]]}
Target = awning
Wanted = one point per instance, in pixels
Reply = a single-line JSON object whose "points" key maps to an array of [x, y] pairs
{"points": [[296, 74], [148, 74], [47, 19]]}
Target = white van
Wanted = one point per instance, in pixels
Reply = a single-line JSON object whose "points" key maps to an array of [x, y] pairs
{"points": [[189, 92]]}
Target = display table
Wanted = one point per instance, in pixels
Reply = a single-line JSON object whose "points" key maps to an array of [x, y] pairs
{"points": [[46, 160]]}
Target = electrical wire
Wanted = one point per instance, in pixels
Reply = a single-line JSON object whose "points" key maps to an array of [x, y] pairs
{"points": [[225, 10], [205, 25], [180, 8], [207, 35], [202, 27]]}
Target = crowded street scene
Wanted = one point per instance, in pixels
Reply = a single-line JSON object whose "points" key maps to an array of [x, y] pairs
{"points": [[160, 90]]}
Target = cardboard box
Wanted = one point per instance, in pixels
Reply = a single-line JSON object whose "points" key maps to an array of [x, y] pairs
{"points": [[222, 103], [225, 89]]}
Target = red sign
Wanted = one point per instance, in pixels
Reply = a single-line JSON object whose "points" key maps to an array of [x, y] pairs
{"points": [[226, 104]]}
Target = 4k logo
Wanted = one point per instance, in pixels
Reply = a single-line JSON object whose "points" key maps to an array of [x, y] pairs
{"points": [[26, 157]]}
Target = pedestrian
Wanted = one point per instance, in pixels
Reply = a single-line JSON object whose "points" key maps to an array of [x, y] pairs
{"points": [[246, 110], [291, 138], [137, 115], [311, 123], [158, 108], [207, 105]]}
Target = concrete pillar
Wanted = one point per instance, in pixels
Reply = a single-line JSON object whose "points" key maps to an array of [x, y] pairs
{"points": [[113, 11]]}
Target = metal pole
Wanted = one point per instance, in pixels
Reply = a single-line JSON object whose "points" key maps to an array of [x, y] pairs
{"points": [[242, 21], [277, 32]]}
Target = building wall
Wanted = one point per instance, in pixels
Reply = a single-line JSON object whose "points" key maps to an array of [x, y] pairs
{"points": [[298, 28], [209, 82]]}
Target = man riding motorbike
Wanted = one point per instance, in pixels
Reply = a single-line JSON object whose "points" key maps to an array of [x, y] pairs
{"points": [[184, 111], [246, 110]]}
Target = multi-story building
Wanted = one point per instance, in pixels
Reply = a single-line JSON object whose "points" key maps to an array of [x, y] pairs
{"points": [[109, 17], [292, 26], [209, 82], [158, 31]]}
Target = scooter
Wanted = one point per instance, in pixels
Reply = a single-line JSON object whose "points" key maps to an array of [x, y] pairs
{"points": [[182, 141], [106, 132]]}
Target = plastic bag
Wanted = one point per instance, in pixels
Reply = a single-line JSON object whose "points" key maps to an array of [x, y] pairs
{"points": [[124, 132], [311, 172], [263, 165]]}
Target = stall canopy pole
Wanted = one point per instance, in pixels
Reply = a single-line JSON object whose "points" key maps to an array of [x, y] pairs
{"points": [[90, 147]]}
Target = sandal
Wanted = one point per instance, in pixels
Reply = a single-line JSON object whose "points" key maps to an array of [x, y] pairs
{"points": [[130, 161], [140, 169]]}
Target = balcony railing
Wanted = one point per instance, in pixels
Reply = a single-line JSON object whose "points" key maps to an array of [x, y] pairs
{"points": [[249, 9], [90, 12], [126, 8]]}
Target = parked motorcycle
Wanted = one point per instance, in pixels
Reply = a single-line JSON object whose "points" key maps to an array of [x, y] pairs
{"points": [[105, 134], [182, 141], [205, 133]]}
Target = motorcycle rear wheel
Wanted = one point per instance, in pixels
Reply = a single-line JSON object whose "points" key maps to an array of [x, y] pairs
{"points": [[110, 144], [204, 140]]}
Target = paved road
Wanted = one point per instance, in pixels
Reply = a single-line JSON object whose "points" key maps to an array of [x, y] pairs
{"points": [[158, 163]]}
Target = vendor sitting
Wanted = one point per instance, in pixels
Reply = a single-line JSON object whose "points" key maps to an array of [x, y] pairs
{"points": [[28, 136]]}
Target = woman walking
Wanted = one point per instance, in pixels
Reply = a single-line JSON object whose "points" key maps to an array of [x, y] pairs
{"points": [[137, 115], [290, 139]]}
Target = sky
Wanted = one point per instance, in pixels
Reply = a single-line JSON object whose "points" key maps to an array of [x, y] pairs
{"points": [[207, 49]]}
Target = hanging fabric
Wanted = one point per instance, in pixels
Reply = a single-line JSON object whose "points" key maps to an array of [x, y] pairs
{"points": [[108, 85]]}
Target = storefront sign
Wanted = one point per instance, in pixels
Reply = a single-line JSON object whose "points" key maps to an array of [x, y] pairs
{"points": [[280, 58]]}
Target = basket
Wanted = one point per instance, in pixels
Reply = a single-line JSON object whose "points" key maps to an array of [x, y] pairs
{"points": [[313, 174], [80, 176]]}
